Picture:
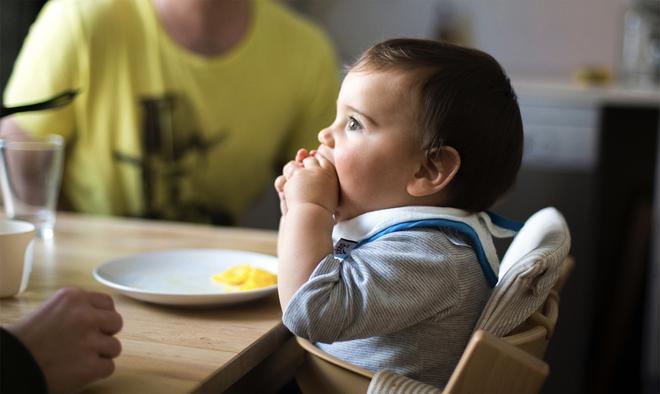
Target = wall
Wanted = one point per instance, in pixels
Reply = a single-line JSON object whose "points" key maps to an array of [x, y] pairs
{"points": [[529, 37]]}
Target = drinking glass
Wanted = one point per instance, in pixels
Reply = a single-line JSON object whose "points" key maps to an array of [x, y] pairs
{"points": [[30, 177]]}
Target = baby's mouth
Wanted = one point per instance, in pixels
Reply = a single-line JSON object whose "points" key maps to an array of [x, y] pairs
{"points": [[326, 153]]}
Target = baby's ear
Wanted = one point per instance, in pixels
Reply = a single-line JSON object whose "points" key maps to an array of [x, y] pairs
{"points": [[435, 171]]}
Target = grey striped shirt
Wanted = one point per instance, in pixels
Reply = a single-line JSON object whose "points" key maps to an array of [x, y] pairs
{"points": [[407, 301]]}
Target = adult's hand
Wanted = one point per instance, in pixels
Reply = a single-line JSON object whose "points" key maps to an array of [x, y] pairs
{"points": [[72, 338]]}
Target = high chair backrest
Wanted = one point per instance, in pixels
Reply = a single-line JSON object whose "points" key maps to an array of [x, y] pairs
{"points": [[529, 270], [534, 334]]}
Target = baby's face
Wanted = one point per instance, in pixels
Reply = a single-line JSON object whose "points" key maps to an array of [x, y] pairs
{"points": [[372, 142]]}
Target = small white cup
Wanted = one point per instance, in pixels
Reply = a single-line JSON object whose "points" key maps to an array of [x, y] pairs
{"points": [[16, 240]]}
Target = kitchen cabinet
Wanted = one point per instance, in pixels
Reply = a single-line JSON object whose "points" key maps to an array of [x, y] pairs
{"points": [[593, 154]]}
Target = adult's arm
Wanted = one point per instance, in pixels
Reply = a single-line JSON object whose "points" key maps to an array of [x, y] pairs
{"points": [[19, 371], [10, 129], [71, 338]]}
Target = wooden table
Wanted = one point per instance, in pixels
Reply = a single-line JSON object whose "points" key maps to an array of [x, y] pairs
{"points": [[165, 349]]}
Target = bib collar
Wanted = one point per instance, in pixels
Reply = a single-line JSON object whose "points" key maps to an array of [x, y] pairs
{"points": [[479, 227]]}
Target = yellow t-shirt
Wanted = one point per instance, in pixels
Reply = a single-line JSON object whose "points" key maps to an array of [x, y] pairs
{"points": [[158, 131]]}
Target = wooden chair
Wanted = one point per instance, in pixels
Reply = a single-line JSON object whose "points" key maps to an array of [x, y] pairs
{"points": [[510, 364], [485, 360]]}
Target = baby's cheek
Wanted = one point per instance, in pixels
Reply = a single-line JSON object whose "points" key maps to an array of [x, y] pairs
{"points": [[346, 166], [354, 173]]}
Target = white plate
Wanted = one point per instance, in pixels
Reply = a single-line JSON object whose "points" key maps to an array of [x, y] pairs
{"points": [[182, 277]]}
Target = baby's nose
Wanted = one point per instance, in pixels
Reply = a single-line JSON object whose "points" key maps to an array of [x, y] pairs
{"points": [[326, 138]]}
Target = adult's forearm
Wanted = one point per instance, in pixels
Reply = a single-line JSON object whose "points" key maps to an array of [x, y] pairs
{"points": [[19, 371], [10, 129]]}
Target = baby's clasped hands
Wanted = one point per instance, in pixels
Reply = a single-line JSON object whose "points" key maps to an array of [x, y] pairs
{"points": [[309, 179]]}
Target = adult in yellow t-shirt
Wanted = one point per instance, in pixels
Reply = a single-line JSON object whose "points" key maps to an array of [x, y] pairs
{"points": [[185, 108]]}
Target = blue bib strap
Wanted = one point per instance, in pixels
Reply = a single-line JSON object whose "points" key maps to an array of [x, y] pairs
{"points": [[464, 228], [503, 222]]}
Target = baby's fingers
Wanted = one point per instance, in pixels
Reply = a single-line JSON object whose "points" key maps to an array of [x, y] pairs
{"points": [[310, 161], [280, 181], [301, 154], [323, 162], [289, 168]]}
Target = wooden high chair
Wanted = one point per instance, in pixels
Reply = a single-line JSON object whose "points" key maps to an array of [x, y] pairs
{"points": [[523, 310], [486, 359]]}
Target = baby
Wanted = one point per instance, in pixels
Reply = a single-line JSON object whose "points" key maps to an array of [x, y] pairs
{"points": [[386, 254]]}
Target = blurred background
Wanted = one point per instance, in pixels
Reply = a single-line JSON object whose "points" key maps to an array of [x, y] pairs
{"points": [[587, 75]]}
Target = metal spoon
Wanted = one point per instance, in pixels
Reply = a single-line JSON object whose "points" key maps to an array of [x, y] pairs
{"points": [[55, 102]]}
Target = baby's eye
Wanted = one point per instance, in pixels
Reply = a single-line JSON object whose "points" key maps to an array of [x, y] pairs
{"points": [[353, 124]]}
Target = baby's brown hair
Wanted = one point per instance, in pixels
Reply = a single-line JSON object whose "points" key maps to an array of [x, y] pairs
{"points": [[465, 101]]}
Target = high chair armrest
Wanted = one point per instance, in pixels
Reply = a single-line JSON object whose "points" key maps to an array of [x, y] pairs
{"points": [[385, 381], [311, 348]]}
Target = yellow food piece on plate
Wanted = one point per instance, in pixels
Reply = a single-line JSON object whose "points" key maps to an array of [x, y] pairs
{"points": [[235, 275], [245, 277], [259, 278]]}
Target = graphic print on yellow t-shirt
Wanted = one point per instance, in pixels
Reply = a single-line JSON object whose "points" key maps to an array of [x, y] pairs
{"points": [[173, 148]]}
